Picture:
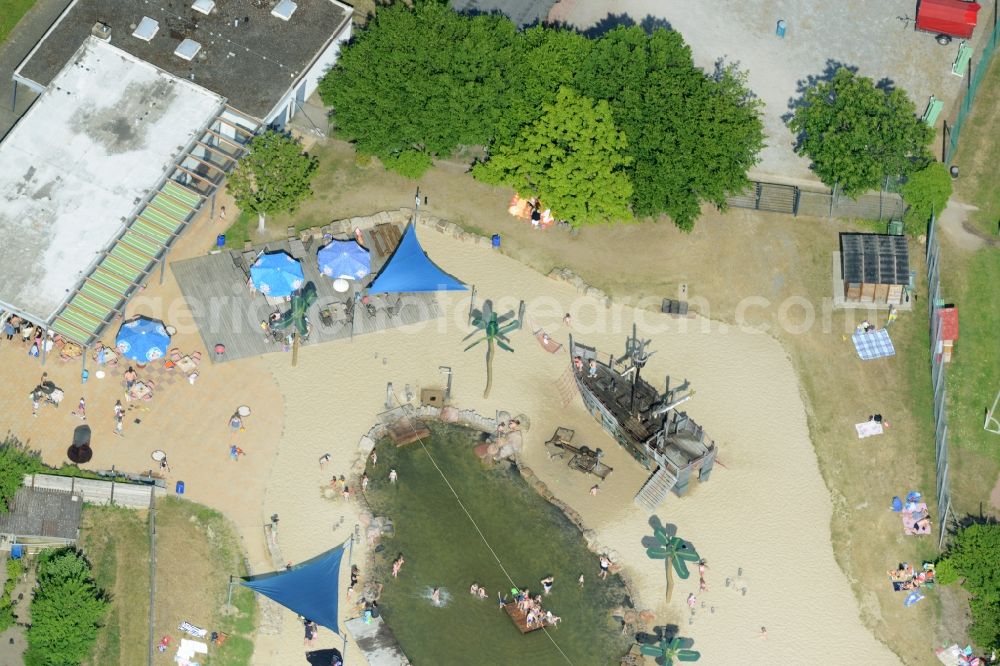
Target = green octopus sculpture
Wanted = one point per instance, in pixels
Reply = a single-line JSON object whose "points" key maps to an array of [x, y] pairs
{"points": [[302, 300], [669, 649], [495, 329], [676, 551]]}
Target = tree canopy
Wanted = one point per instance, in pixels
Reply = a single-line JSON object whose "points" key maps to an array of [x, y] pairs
{"points": [[857, 133], [972, 558], [926, 192], [419, 82], [66, 610], [15, 462], [692, 137], [573, 157], [273, 176], [423, 79]]}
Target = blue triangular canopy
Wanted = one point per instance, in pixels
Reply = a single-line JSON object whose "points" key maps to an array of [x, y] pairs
{"points": [[410, 269], [310, 589]]}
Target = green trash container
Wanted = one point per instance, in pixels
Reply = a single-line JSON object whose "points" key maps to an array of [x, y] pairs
{"points": [[896, 228]]}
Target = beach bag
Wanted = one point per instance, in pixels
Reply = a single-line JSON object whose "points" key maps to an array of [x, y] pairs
{"points": [[897, 505]]}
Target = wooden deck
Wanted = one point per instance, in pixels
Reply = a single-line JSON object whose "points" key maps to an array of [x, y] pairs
{"points": [[227, 312], [520, 618]]}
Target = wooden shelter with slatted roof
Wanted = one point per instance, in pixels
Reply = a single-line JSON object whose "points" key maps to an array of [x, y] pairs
{"points": [[875, 267]]}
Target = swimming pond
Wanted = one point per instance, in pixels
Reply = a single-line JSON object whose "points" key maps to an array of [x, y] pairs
{"points": [[442, 548]]}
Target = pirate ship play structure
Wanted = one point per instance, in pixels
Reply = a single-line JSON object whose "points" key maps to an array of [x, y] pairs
{"points": [[643, 420]]}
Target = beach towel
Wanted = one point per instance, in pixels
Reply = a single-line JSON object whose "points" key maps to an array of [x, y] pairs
{"points": [[876, 344], [189, 628], [912, 598], [910, 518], [868, 429]]}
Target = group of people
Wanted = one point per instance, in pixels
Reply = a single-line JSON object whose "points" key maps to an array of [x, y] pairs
{"points": [[532, 608], [40, 341], [591, 366], [905, 577]]}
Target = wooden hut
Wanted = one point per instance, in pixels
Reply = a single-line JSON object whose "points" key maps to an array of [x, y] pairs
{"points": [[875, 267], [948, 333]]}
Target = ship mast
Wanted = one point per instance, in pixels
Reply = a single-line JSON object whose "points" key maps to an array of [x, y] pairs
{"points": [[635, 352]]}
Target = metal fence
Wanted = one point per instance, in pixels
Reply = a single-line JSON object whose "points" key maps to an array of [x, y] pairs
{"points": [[938, 375], [883, 205], [953, 130]]}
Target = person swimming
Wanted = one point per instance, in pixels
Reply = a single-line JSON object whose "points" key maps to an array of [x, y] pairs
{"points": [[547, 584], [482, 593], [474, 590], [436, 596]]}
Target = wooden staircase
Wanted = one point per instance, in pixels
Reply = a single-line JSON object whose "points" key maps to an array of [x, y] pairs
{"points": [[656, 489]]}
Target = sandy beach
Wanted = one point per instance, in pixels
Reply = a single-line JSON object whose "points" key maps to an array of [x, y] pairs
{"points": [[766, 513]]}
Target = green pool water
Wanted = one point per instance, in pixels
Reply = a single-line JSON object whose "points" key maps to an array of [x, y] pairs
{"points": [[442, 548]]}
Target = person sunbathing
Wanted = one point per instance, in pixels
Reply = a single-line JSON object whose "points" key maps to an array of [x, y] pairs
{"points": [[923, 525]]}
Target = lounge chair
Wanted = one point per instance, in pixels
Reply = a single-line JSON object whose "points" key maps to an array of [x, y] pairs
{"points": [[196, 357]]}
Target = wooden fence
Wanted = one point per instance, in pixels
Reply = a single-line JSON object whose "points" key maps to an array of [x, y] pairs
{"points": [[95, 491]]}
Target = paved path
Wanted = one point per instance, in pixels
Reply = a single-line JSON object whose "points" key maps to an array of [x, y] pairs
{"points": [[21, 40]]}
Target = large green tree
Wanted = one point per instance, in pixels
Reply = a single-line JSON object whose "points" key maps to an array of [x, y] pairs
{"points": [[573, 158], [66, 610], [692, 137], [273, 176], [421, 79], [857, 133], [973, 559]]}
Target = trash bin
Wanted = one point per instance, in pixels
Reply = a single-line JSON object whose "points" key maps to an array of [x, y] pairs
{"points": [[16, 551], [220, 240], [84, 376], [496, 240], [781, 28], [179, 488]]}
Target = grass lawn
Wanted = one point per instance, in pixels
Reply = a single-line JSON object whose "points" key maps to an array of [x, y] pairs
{"points": [[11, 12], [197, 550], [116, 541], [970, 280]]}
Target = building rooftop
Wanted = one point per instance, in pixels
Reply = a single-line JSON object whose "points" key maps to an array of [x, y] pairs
{"points": [[247, 55], [521, 12], [874, 258], [79, 163], [43, 513]]}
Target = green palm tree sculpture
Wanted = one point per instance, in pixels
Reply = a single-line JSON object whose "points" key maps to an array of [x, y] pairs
{"points": [[676, 551], [301, 302], [669, 649], [495, 331]]}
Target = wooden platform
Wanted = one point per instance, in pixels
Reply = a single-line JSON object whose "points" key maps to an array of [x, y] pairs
{"points": [[227, 312], [520, 618]]}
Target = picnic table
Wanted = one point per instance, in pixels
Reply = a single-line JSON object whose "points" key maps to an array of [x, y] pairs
{"points": [[335, 313], [187, 364], [384, 303], [140, 391]]}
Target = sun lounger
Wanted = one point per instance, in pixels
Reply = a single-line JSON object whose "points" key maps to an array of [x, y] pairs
{"points": [[868, 429], [551, 346], [189, 628]]}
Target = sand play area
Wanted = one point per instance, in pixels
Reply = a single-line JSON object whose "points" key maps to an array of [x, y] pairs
{"points": [[762, 521], [766, 513]]}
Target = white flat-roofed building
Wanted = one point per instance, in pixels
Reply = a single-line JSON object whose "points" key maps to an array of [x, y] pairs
{"points": [[75, 169]]}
